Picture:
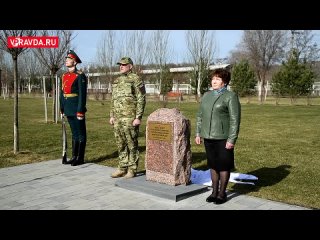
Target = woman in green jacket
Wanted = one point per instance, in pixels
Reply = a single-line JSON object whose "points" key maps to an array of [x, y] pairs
{"points": [[218, 123]]}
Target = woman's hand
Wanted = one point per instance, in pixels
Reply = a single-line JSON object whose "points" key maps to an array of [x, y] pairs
{"points": [[198, 140], [229, 145]]}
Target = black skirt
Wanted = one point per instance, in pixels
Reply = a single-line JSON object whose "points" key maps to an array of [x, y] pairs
{"points": [[218, 157]]}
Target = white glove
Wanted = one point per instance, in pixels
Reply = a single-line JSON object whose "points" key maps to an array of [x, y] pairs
{"points": [[111, 120]]}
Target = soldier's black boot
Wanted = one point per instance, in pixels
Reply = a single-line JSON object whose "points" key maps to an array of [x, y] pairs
{"points": [[80, 159], [75, 151]]}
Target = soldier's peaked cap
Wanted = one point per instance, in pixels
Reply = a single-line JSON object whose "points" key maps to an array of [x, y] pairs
{"points": [[125, 60], [73, 55]]}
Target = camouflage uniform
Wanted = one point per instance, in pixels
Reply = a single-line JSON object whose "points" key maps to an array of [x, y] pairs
{"points": [[127, 103]]}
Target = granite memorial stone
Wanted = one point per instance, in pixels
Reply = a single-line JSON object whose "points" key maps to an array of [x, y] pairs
{"points": [[168, 150]]}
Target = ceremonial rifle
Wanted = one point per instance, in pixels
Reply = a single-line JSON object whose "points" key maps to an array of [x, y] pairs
{"points": [[64, 141]]}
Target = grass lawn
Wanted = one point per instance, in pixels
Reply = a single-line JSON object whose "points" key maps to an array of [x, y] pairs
{"points": [[278, 144]]}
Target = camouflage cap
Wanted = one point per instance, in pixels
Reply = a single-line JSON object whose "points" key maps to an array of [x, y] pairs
{"points": [[125, 60], [73, 55]]}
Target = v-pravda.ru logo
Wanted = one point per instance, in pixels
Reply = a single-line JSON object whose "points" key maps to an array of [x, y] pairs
{"points": [[33, 42]]}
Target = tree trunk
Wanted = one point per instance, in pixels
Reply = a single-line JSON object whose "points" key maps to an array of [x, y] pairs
{"points": [[57, 98], [248, 99], [199, 85], [45, 99], [0, 84], [15, 117], [262, 94], [29, 85], [308, 100]]}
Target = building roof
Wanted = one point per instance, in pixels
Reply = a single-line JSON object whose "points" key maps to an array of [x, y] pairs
{"points": [[177, 69]]}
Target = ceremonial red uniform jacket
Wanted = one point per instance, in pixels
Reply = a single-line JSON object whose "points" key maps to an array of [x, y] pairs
{"points": [[73, 96]]}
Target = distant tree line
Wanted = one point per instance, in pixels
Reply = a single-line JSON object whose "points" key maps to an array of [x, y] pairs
{"points": [[252, 61]]}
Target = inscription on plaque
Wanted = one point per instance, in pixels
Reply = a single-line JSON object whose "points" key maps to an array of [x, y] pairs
{"points": [[160, 131]]}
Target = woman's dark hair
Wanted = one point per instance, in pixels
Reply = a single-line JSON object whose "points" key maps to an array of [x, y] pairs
{"points": [[222, 73]]}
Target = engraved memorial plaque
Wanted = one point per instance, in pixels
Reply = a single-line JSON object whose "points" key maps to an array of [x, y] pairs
{"points": [[160, 131]]}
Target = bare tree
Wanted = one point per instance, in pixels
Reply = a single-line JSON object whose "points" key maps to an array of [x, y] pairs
{"points": [[123, 44], [106, 53], [159, 53], [138, 48], [237, 55], [15, 52], [201, 48], [263, 48], [53, 59], [1, 69], [30, 68], [7, 75], [302, 41]]}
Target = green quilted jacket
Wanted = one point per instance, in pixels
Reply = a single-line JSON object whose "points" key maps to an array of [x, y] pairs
{"points": [[219, 116]]}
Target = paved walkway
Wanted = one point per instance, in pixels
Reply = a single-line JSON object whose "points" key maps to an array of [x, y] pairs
{"points": [[51, 185]]}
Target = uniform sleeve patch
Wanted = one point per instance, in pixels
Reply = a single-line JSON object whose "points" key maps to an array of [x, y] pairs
{"points": [[142, 89]]}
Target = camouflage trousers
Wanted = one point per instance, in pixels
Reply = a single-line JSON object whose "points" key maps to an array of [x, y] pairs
{"points": [[126, 137]]}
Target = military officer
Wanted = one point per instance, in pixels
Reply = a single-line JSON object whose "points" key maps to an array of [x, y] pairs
{"points": [[73, 98], [127, 107]]}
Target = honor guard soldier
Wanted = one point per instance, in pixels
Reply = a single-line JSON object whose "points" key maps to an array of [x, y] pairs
{"points": [[73, 99], [127, 106]]}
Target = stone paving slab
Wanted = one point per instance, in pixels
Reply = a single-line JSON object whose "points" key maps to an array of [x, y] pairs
{"points": [[50, 185]]}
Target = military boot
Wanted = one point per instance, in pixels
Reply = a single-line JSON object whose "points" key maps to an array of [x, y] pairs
{"points": [[80, 159], [130, 174], [75, 151], [118, 173]]}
